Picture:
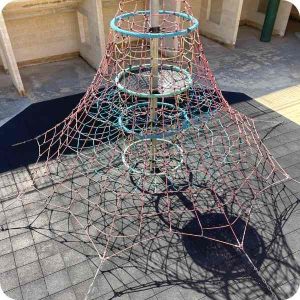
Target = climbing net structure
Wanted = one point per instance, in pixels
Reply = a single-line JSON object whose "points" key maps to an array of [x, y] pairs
{"points": [[153, 139]]}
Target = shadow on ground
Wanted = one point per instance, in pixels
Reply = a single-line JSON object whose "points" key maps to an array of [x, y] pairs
{"points": [[178, 265]]}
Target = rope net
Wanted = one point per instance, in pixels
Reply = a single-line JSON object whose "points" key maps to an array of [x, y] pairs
{"points": [[153, 139]]}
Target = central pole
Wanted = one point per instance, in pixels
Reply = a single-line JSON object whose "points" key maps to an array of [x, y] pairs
{"points": [[154, 28]]}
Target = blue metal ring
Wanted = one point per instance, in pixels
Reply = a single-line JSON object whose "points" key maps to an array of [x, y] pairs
{"points": [[128, 71], [185, 122], [151, 35]]}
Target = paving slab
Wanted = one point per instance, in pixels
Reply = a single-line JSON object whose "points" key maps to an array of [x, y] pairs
{"points": [[29, 272], [15, 294], [7, 262], [34, 290], [25, 256], [9, 280], [57, 282], [52, 264]]}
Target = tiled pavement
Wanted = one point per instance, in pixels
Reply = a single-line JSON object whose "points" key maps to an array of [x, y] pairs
{"points": [[286, 102], [35, 266]]}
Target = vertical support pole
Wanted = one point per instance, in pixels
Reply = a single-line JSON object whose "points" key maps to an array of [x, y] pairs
{"points": [[270, 19], [101, 32], [154, 45], [10, 57], [3, 58]]}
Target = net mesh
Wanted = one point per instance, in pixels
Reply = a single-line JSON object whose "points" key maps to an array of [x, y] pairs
{"points": [[119, 172]]}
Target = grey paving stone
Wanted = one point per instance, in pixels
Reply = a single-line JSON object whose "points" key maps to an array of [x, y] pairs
{"points": [[25, 256], [41, 235], [289, 160], [287, 291], [58, 216], [18, 227], [294, 171], [190, 294], [80, 272], [52, 264], [67, 294], [2, 218], [15, 294], [82, 288], [123, 297], [13, 203], [136, 293], [72, 257], [39, 221], [22, 241], [128, 273], [9, 280], [104, 287], [57, 282], [170, 293], [47, 248], [62, 227], [15, 214], [147, 294], [30, 272], [5, 246], [34, 290], [4, 235], [33, 209], [7, 262]]}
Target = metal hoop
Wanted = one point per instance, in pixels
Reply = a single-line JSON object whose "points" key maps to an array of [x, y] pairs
{"points": [[129, 71], [133, 169], [182, 115], [151, 35]]}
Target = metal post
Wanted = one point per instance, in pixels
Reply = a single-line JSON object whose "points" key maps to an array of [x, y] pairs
{"points": [[270, 19], [154, 43]]}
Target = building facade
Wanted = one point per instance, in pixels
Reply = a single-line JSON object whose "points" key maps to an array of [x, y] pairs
{"points": [[41, 31]]}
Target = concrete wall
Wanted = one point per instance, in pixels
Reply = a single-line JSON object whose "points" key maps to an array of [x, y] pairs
{"points": [[44, 36], [252, 17], [93, 48], [226, 27], [41, 29]]}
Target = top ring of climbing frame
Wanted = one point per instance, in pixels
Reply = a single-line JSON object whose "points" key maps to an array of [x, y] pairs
{"points": [[193, 25]]}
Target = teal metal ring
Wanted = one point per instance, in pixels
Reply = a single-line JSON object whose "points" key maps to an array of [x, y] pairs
{"points": [[151, 35], [150, 173], [131, 69], [183, 115]]}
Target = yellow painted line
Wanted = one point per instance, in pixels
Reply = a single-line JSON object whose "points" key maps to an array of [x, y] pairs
{"points": [[285, 102]]}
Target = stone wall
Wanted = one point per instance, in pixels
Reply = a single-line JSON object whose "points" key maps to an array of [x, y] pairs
{"points": [[90, 20], [44, 36], [40, 29], [251, 16], [220, 22]]}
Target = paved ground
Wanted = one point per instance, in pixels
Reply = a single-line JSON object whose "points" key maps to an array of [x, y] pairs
{"points": [[34, 266], [256, 68], [286, 102], [44, 82]]}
